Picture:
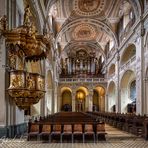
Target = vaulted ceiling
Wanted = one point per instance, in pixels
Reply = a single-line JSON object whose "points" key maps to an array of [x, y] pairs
{"points": [[87, 24]]}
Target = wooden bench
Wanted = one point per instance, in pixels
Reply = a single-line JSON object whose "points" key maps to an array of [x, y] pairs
{"points": [[70, 118]]}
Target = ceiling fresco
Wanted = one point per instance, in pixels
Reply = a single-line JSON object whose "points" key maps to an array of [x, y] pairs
{"points": [[84, 32], [92, 21], [89, 7]]}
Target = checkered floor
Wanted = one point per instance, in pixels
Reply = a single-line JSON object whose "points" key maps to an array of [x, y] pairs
{"points": [[114, 139]]}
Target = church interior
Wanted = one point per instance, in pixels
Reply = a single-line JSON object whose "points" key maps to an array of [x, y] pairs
{"points": [[74, 73]]}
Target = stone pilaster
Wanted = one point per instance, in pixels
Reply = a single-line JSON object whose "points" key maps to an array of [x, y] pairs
{"points": [[90, 100], [73, 102]]}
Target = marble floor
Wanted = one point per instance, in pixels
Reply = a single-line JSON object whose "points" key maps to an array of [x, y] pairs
{"points": [[114, 139]]}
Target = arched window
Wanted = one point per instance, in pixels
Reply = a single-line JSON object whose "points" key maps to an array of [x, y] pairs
{"points": [[133, 91]]}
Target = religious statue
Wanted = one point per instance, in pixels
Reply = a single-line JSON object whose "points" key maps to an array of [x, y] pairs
{"points": [[16, 81], [27, 15], [32, 31], [30, 83], [40, 84], [12, 59], [3, 23], [20, 60]]}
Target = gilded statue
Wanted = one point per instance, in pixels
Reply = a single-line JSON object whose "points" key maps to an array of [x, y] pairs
{"points": [[20, 60], [16, 81], [3, 23], [27, 15], [12, 59], [32, 31], [41, 84], [30, 83]]}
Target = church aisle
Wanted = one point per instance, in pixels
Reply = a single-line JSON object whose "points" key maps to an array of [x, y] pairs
{"points": [[114, 139]]}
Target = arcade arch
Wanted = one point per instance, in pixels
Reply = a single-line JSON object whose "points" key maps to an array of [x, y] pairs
{"points": [[125, 85], [99, 98], [112, 97], [128, 53]]}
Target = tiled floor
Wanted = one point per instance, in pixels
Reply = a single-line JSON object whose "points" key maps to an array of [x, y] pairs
{"points": [[114, 139]]}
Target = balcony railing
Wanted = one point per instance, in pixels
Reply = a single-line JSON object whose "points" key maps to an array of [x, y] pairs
{"points": [[75, 80], [128, 63]]}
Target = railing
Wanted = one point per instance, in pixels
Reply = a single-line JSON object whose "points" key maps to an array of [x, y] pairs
{"points": [[74, 80], [128, 63]]}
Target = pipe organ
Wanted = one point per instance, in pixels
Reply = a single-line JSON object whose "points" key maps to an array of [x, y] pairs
{"points": [[81, 64]]}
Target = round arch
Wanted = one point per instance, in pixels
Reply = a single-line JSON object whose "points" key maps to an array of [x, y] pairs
{"points": [[126, 101], [99, 98], [112, 70], [127, 54], [111, 97], [81, 100], [66, 99]]}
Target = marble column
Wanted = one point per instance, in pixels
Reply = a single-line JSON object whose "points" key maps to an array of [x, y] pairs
{"points": [[92, 65], [73, 101], [70, 66], [89, 66], [106, 103], [2, 82], [118, 100], [145, 107], [90, 107], [74, 70], [48, 97]]}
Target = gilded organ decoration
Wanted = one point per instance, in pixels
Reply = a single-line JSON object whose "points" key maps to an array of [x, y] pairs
{"points": [[82, 64]]}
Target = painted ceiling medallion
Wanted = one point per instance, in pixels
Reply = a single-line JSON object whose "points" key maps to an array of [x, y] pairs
{"points": [[84, 32], [89, 7]]}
